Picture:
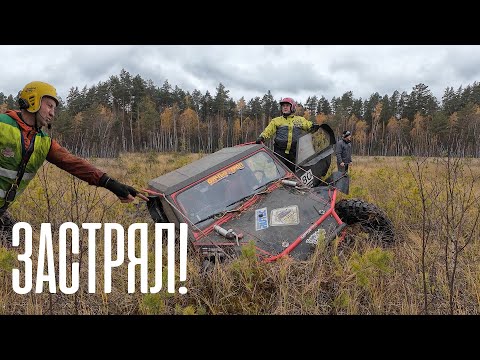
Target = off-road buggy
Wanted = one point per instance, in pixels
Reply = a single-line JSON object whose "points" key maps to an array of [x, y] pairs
{"points": [[244, 193]]}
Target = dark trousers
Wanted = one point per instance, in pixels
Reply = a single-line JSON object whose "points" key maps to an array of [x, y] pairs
{"points": [[288, 159]]}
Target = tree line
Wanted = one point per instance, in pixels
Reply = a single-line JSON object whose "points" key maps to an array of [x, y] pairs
{"points": [[129, 114]]}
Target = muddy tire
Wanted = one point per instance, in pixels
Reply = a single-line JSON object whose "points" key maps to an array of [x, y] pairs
{"points": [[368, 216]]}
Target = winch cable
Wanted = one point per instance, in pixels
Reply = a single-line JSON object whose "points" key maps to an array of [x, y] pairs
{"points": [[316, 177], [206, 236]]}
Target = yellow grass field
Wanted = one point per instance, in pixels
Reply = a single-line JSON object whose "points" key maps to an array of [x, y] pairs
{"points": [[432, 268]]}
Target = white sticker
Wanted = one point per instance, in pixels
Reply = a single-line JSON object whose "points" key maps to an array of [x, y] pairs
{"points": [[285, 216], [318, 234], [307, 177], [261, 219]]}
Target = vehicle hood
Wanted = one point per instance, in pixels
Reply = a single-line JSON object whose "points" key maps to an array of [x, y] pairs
{"points": [[281, 217]]}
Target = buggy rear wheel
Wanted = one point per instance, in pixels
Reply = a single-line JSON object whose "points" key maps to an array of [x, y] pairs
{"points": [[369, 216]]}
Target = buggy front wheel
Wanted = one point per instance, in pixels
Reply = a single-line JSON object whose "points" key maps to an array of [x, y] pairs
{"points": [[368, 216]]}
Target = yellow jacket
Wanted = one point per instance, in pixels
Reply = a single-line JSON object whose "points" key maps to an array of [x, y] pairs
{"points": [[287, 130]]}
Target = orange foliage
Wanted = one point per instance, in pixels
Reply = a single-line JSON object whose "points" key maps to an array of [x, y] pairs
{"points": [[241, 105], [166, 119], [321, 118], [361, 134], [78, 120], [237, 131], [393, 126], [419, 126], [189, 120], [453, 119]]}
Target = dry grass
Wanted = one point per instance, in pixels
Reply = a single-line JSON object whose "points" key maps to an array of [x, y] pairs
{"points": [[437, 237]]}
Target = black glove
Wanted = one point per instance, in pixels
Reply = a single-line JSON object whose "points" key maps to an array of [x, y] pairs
{"points": [[315, 127], [260, 140], [119, 189]]}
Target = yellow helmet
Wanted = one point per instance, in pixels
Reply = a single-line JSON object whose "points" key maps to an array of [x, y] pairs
{"points": [[31, 96]]}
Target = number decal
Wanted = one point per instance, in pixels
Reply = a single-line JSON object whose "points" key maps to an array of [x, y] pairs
{"points": [[307, 177]]}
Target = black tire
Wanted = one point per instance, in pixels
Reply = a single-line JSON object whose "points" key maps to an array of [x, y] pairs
{"points": [[370, 217]]}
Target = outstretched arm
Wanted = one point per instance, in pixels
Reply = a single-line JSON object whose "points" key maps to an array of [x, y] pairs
{"points": [[307, 125], [270, 130], [82, 169], [74, 165]]}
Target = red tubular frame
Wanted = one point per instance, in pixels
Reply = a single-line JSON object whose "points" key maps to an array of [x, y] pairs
{"points": [[330, 211]]}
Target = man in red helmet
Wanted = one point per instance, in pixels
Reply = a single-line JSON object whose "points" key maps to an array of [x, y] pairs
{"points": [[287, 129]]}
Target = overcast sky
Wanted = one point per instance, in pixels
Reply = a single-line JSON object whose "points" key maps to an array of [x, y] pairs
{"points": [[296, 71]]}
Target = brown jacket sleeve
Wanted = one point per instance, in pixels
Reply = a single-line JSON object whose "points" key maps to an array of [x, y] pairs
{"points": [[74, 165]]}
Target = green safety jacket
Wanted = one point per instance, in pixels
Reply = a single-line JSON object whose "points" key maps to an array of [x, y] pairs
{"points": [[287, 131], [12, 150]]}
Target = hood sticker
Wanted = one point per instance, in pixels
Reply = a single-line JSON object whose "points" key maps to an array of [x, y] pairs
{"points": [[319, 234], [285, 216], [261, 219], [224, 173]]}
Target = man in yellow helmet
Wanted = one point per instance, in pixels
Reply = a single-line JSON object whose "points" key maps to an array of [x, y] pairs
{"points": [[286, 129], [24, 146]]}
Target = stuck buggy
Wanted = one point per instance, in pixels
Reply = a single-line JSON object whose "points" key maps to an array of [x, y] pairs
{"points": [[246, 193]]}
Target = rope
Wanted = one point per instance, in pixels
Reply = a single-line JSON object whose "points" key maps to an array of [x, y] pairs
{"points": [[316, 177]]}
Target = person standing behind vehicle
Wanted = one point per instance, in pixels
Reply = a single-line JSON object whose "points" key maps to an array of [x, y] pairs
{"points": [[287, 129], [344, 151], [24, 146]]}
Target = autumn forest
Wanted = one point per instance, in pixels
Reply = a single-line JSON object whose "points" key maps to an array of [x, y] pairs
{"points": [[130, 114]]}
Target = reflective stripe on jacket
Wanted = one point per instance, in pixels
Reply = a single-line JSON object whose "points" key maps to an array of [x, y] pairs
{"points": [[11, 153]]}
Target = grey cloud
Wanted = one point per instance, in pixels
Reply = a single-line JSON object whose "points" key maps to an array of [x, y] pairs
{"points": [[348, 65], [276, 50], [464, 67], [248, 71], [292, 78], [209, 72]]}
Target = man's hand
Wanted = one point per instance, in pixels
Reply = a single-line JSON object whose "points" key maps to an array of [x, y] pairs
{"points": [[124, 192], [260, 140]]}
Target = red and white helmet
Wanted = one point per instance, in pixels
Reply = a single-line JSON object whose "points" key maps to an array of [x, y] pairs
{"points": [[293, 104]]}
